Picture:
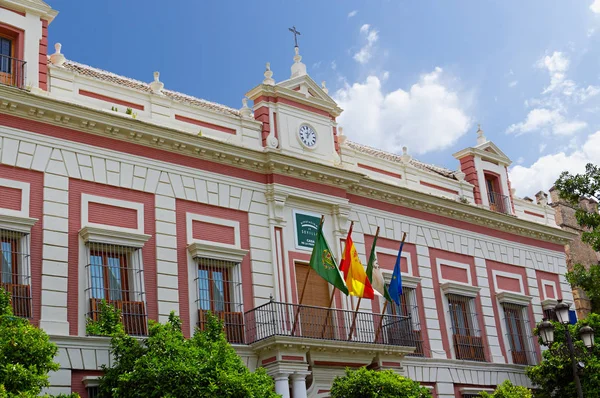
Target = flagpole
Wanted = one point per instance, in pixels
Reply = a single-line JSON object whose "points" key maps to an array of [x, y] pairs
{"points": [[354, 319], [304, 287], [386, 303], [328, 311]]}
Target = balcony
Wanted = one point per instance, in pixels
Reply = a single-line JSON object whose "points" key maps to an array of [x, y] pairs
{"points": [[499, 203], [307, 322], [12, 72]]}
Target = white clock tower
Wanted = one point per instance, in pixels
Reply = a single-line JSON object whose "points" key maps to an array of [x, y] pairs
{"points": [[298, 115]]}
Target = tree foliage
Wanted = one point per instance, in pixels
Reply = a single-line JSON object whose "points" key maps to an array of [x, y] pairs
{"points": [[554, 375], [363, 383], [108, 322], [26, 355], [168, 365], [508, 390], [572, 188]]}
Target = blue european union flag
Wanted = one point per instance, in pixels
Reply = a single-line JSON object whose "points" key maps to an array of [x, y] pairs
{"points": [[395, 289]]}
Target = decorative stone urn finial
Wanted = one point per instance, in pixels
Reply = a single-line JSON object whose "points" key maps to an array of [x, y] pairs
{"points": [[480, 136], [405, 156], [156, 86], [341, 136], [324, 87], [245, 111], [269, 76], [57, 59], [298, 68]]}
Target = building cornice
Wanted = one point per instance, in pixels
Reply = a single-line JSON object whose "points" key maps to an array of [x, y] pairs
{"points": [[268, 162], [37, 7]]}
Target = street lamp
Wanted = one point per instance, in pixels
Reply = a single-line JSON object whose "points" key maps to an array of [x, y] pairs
{"points": [[586, 333]]}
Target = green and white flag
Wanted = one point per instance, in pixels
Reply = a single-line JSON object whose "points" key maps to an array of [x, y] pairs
{"points": [[374, 274], [323, 262]]}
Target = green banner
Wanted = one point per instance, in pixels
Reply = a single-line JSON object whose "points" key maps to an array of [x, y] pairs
{"points": [[306, 229]]}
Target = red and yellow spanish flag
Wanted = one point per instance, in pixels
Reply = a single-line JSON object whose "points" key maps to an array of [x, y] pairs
{"points": [[354, 274]]}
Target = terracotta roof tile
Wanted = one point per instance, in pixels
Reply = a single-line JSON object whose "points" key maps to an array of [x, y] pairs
{"points": [[397, 158], [106, 76]]}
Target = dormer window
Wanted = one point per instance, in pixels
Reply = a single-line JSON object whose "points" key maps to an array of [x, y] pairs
{"points": [[498, 202]]}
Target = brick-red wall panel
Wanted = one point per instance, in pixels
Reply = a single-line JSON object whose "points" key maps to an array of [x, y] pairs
{"points": [[76, 188], [77, 381], [213, 232], [10, 198], [100, 213], [183, 207], [36, 207]]}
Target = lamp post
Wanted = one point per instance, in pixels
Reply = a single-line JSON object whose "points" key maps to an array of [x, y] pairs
{"points": [[546, 330]]}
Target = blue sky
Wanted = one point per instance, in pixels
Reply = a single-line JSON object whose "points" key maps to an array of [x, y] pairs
{"points": [[416, 73]]}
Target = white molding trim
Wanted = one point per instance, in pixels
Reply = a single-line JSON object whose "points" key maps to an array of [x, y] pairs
{"points": [[91, 381], [549, 304], [509, 275], [25, 188], [113, 237], [393, 252], [217, 251], [19, 224], [191, 217], [87, 198], [408, 281], [546, 282], [460, 289], [474, 390], [514, 298], [440, 261]]}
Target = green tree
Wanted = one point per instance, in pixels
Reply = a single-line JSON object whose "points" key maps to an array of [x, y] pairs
{"points": [[364, 383], [26, 355], [554, 375], [166, 364], [572, 188], [508, 390]]}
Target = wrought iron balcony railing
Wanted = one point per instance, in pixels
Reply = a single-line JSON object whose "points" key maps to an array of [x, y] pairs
{"points": [[281, 319], [499, 203], [12, 71]]}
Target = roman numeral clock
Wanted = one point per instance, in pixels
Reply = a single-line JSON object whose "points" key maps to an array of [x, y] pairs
{"points": [[307, 136]]}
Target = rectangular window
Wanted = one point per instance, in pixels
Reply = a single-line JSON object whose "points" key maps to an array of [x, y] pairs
{"points": [[466, 335], [115, 275], [517, 326], [412, 330], [15, 270], [219, 291], [6, 53]]}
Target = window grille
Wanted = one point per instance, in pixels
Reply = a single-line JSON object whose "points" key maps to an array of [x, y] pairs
{"points": [[408, 307], [466, 334], [550, 314], [219, 290], [15, 269], [517, 331], [93, 392], [115, 274]]}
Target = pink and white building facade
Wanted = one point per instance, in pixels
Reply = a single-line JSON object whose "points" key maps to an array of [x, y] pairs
{"points": [[119, 190]]}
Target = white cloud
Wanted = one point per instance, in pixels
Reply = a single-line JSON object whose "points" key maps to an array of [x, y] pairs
{"points": [[366, 52], [595, 6], [316, 65], [542, 174], [333, 65], [542, 147], [385, 75], [543, 119], [557, 65], [427, 117], [513, 83], [352, 13]]}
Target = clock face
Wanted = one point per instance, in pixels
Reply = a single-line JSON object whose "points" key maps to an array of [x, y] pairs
{"points": [[307, 136]]}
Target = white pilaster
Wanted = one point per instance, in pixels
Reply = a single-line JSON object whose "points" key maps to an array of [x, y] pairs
{"points": [[282, 385], [429, 304], [299, 384], [166, 255], [487, 303], [55, 255]]}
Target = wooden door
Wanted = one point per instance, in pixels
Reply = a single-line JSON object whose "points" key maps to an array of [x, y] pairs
{"points": [[314, 322]]}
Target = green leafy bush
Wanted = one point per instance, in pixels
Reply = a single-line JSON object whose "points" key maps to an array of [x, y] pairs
{"points": [[364, 383], [26, 355], [108, 323], [508, 390], [166, 364]]}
